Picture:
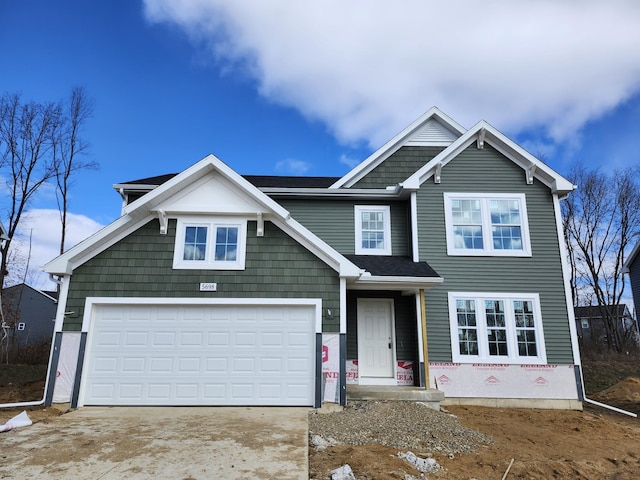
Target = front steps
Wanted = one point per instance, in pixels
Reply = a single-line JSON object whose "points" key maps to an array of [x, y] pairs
{"points": [[430, 397]]}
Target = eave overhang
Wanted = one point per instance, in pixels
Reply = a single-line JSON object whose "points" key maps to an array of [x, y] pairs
{"points": [[483, 133], [408, 285]]}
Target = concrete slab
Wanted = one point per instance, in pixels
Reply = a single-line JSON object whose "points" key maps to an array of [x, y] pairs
{"points": [[143, 443]]}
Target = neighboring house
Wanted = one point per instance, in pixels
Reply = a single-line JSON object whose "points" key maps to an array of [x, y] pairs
{"points": [[3, 234], [632, 268], [590, 323], [437, 262], [30, 313]]}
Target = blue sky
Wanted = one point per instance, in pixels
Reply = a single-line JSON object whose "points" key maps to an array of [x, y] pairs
{"points": [[288, 87]]}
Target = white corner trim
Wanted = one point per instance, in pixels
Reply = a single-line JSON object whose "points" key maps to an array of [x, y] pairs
{"points": [[415, 250]]}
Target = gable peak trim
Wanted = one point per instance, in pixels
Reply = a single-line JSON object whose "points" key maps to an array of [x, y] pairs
{"points": [[401, 139]]}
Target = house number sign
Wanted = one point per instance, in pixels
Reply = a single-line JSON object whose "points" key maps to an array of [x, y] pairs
{"points": [[208, 287]]}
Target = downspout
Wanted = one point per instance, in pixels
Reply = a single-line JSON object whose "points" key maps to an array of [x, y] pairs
{"points": [[425, 348], [603, 405], [46, 382]]}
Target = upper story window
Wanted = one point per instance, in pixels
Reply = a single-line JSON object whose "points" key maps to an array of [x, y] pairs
{"points": [[373, 230], [496, 327], [215, 244], [487, 224]]}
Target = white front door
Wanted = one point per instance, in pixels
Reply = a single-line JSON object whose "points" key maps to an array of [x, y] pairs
{"points": [[376, 342]]}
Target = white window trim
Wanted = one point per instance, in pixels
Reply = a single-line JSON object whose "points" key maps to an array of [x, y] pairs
{"points": [[584, 323], [481, 324], [208, 263], [488, 250], [386, 210]]}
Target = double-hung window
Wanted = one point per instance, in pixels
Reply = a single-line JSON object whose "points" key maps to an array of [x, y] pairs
{"points": [[490, 327], [373, 230], [210, 244], [487, 224]]}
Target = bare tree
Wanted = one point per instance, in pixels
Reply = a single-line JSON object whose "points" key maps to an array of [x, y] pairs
{"points": [[601, 222], [25, 157], [68, 146]]}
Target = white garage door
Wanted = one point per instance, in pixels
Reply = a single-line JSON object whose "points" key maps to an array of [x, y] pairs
{"points": [[200, 355]]}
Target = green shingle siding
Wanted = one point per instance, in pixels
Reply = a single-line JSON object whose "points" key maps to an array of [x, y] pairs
{"points": [[487, 171], [334, 222], [398, 167], [140, 265]]}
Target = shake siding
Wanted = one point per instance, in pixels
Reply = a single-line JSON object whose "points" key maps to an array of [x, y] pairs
{"points": [[334, 222], [487, 171], [140, 265], [398, 167]]}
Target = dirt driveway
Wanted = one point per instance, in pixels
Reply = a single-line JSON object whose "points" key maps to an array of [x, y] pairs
{"points": [[143, 443]]}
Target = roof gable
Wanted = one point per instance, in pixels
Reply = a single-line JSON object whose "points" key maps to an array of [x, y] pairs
{"points": [[483, 132], [194, 191], [434, 128]]}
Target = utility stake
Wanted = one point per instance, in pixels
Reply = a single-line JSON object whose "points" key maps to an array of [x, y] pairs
{"points": [[508, 468]]}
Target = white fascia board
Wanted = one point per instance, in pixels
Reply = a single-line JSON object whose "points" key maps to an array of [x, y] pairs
{"points": [[374, 282], [318, 247], [556, 182], [210, 163], [393, 145], [631, 258]]}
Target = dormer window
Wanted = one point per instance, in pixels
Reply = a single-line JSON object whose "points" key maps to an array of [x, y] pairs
{"points": [[210, 244], [373, 230]]}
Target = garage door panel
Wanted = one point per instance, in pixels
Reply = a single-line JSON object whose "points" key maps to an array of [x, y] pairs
{"points": [[210, 355]]}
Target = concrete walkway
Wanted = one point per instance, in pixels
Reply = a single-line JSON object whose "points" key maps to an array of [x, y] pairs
{"points": [[182, 443]]}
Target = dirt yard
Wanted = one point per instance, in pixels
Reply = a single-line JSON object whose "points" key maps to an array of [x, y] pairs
{"points": [[544, 444]]}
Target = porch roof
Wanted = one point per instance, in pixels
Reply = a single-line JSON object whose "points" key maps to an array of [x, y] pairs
{"points": [[393, 273], [392, 266]]}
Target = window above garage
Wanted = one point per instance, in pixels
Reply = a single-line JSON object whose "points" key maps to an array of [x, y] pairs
{"points": [[210, 244]]}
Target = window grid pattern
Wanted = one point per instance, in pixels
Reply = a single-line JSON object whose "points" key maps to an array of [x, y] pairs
{"points": [[506, 228], [195, 243], [496, 327], [467, 223], [467, 327], [226, 244], [525, 328], [372, 230]]}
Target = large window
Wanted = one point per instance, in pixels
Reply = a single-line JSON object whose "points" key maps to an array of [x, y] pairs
{"points": [[486, 224], [373, 230], [500, 327], [217, 244]]}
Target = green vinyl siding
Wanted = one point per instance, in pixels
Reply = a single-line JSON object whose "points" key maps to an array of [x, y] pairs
{"points": [[405, 321], [140, 265], [334, 222], [398, 167], [488, 171]]}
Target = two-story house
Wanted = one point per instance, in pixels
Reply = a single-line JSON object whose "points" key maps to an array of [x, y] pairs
{"points": [[437, 262]]}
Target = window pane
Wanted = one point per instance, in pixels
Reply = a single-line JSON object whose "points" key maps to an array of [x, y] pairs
{"points": [[525, 328], [506, 227], [195, 243], [468, 341], [497, 327], [226, 244], [372, 230], [468, 237]]}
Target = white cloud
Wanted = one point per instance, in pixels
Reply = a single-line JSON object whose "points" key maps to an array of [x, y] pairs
{"points": [[367, 68], [348, 161], [293, 167], [43, 226]]}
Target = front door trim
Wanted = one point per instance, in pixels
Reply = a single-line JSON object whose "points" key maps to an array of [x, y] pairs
{"points": [[390, 378]]}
